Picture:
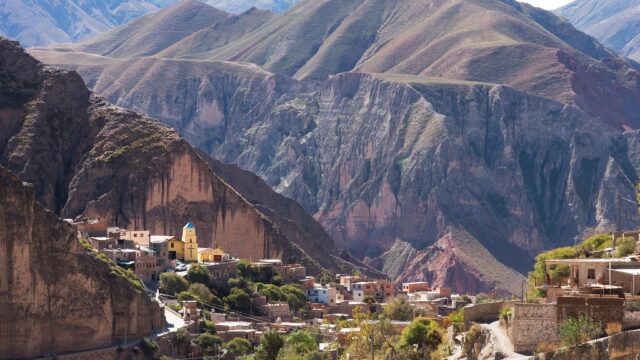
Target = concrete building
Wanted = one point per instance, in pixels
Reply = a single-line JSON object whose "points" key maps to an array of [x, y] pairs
{"points": [[139, 237], [276, 311], [411, 287], [146, 264], [102, 242], [380, 290], [209, 255], [322, 295], [293, 272], [160, 244]]}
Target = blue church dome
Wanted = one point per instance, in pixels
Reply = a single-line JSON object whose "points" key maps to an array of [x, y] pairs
{"points": [[188, 226]]}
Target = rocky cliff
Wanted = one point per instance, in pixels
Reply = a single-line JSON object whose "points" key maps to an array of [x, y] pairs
{"points": [[54, 295], [519, 143], [85, 157]]}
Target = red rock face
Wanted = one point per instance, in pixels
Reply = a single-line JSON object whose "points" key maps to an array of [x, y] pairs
{"points": [[56, 297], [87, 158]]}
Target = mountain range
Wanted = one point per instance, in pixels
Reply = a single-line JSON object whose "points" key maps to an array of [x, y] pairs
{"points": [[615, 23], [448, 141], [46, 22]]}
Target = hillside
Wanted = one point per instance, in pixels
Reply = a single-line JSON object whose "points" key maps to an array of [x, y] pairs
{"points": [[56, 297], [85, 157], [492, 41], [46, 22], [615, 23], [151, 34]]}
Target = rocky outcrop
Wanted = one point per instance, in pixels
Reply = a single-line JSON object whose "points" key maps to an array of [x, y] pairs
{"points": [[55, 296], [87, 158]]}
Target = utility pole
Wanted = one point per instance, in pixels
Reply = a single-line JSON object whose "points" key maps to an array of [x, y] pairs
{"points": [[618, 212]]}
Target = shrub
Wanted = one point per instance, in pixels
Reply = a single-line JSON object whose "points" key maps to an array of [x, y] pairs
{"points": [[505, 312], [613, 328], [625, 247], [574, 331], [208, 343], [238, 347], [545, 347], [239, 300], [182, 335], [199, 274], [399, 309], [148, 347], [172, 283], [473, 335]]}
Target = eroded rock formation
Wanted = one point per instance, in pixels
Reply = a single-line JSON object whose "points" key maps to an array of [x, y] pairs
{"points": [[55, 296]]}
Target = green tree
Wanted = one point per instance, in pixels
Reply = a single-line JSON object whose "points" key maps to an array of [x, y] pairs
{"points": [[270, 345], [172, 283], [204, 294], [239, 300], [272, 292], [238, 347], [574, 331], [422, 335], [208, 343], [198, 273], [302, 342], [399, 309], [295, 297]]}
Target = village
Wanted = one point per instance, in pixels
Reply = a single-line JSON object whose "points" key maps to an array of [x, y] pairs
{"points": [[209, 289]]}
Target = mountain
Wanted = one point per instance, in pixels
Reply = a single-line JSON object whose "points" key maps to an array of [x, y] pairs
{"points": [[46, 22], [87, 158], [56, 296], [615, 23], [449, 141], [149, 35]]}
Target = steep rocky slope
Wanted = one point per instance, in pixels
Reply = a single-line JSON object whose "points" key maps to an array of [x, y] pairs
{"points": [[54, 296], [85, 157], [615, 23]]}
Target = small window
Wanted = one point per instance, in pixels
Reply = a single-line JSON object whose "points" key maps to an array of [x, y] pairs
{"points": [[135, 235], [591, 274], [172, 245]]}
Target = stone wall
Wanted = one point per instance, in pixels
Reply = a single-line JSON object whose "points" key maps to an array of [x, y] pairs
{"points": [[487, 312], [622, 346], [532, 324]]}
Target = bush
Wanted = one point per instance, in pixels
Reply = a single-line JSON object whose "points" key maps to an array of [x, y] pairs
{"points": [[239, 300], [613, 328], [597, 242], [172, 283], [625, 247], [208, 343], [399, 309], [546, 347], [148, 347], [198, 273], [182, 335], [238, 347], [505, 312], [574, 331]]}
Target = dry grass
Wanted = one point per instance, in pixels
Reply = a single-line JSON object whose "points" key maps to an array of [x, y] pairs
{"points": [[613, 328]]}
